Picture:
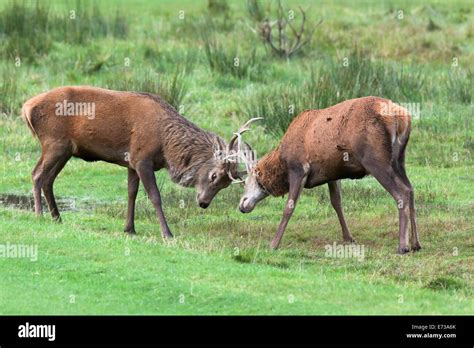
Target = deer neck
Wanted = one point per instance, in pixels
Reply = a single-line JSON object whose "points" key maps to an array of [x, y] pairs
{"points": [[187, 149], [272, 174]]}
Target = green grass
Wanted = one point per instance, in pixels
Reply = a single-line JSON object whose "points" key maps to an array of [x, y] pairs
{"points": [[219, 262], [30, 31], [333, 80], [229, 62]]}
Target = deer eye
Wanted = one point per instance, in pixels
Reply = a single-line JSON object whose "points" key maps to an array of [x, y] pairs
{"points": [[213, 177]]}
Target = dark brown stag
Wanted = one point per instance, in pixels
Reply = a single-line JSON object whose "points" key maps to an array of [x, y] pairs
{"points": [[139, 131], [349, 140]]}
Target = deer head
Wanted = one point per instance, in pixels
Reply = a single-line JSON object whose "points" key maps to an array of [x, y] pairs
{"points": [[223, 169]]}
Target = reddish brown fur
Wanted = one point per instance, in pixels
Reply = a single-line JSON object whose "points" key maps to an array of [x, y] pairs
{"points": [[319, 139], [129, 119], [135, 130], [273, 174], [349, 140]]}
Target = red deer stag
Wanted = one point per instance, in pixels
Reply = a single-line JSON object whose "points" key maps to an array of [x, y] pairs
{"points": [[349, 140], [139, 131]]}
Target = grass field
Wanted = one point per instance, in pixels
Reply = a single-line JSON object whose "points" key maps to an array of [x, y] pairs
{"points": [[419, 53]]}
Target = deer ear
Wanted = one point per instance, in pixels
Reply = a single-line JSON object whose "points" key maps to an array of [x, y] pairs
{"points": [[218, 150]]}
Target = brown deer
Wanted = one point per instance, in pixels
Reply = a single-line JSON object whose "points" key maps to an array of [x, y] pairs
{"points": [[139, 131], [349, 140]]}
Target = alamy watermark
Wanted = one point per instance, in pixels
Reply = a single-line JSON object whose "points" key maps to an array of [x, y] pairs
{"points": [[343, 251], [13, 251], [28, 330], [402, 109], [67, 108]]}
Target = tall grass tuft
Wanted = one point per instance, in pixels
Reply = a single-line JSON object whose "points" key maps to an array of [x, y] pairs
{"points": [[172, 88], [255, 10], [334, 82], [219, 15], [25, 30], [170, 60], [191, 27], [218, 7], [89, 23], [9, 93], [460, 86], [29, 31], [230, 60]]}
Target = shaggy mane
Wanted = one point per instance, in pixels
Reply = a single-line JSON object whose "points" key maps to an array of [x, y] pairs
{"points": [[187, 148]]}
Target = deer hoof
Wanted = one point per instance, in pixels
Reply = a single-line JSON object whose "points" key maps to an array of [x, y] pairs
{"points": [[130, 231], [168, 235], [273, 246], [349, 241], [403, 251], [416, 247]]}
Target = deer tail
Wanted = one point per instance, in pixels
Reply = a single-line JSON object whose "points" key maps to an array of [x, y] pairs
{"points": [[26, 115]]}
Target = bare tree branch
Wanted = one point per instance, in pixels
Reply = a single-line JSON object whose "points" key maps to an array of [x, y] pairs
{"points": [[281, 43]]}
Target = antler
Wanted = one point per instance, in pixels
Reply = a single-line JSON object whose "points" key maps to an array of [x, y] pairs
{"points": [[240, 154], [241, 131], [234, 180]]}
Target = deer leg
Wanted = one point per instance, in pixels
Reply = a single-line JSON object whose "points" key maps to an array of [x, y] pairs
{"points": [[36, 176], [297, 181], [415, 241], [335, 194], [398, 163], [393, 183], [147, 176], [133, 183], [52, 166]]}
